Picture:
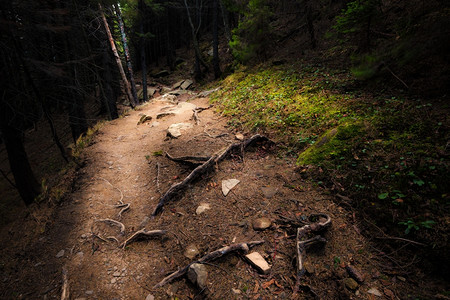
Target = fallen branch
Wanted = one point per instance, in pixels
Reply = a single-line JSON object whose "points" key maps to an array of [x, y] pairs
{"points": [[209, 257], [178, 188], [114, 223], [302, 244], [142, 234]]}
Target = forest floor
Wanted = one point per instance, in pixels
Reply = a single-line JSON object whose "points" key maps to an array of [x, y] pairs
{"points": [[125, 163]]}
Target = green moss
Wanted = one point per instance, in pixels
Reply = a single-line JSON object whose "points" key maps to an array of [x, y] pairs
{"points": [[334, 144]]}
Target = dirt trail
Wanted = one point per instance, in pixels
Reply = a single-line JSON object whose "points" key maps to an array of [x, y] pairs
{"points": [[124, 164]]}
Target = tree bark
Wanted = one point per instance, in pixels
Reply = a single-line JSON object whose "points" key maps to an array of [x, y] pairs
{"points": [[26, 183], [127, 52], [141, 6], [117, 57]]}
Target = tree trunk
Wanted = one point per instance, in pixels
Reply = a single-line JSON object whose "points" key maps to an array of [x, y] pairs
{"points": [[117, 57], [25, 181], [216, 64], [127, 53], [309, 21], [108, 94], [142, 50], [226, 23]]}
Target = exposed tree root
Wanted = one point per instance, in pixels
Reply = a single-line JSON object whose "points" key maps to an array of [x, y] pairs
{"points": [[140, 234], [209, 257], [196, 111], [125, 207], [65, 295], [178, 188], [114, 223], [191, 160]]}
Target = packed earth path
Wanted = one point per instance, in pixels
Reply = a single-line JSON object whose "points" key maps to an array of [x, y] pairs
{"points": [[80, 253]]}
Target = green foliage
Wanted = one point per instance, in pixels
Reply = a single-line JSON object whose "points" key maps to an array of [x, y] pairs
{"points": [[253, 34], [411, 224], [356, 16]]}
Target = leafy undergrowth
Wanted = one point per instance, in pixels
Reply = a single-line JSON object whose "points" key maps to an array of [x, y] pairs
{"points": [[386, 153]]}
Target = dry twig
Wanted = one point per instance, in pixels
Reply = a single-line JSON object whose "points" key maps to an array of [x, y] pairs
{"points": [[142, 234]]}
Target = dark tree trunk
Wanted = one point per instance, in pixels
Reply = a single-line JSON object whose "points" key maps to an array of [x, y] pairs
{"points": [[226, 23], [25, 181], [216, 64], [77, 117], [109, 97], [142, 50], [310, 23]]}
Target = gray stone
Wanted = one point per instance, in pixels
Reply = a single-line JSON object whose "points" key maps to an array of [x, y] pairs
{"points": [[228, 184], [60, 254], [174, 130], [350, 283], [261, 223], [177, 85], [269, 192], [150, 92], [191, 251], [257, 261], [164, 114], [186, 84], [177, 92], [198, 274], [375, 292]]}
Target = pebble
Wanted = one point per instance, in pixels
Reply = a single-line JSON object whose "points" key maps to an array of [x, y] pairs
{"points": [[116, 274], [191, 251], [202, 208], [375, 292], [350, 283], [113, 280], [258, 262], [261, 223], [198, 274], [239, 136], [60, 254]]}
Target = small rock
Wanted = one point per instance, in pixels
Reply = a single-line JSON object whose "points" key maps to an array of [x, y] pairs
{"points": [[113, 280], [116, 274], [375, 292], [354, 273], [198, 274], [236, 291], [174, 130], [202, 208], [351, 284], [177, 85], [150, 297], [309, 268], [144, 119], [269, 192], [228, 184], [165, 114], [89, 292], [186, 84], [261, 223], [83, 236], [191, 251], [258, 262], [239, 136], [60, 254], [177, 92]]}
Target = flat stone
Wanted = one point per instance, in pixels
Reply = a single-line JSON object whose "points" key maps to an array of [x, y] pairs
{"points": [[257, 261], [177, 92], [186, 84], [116, 274], [350, 283], [191, 251], [150, 297], [269, 192], [228, 184], [375, 292], [177, 84], [89, 292], [150, 92], [174, 130], [60, 254], [202, 208], [239, 136], [261, 223], [198, 274]]}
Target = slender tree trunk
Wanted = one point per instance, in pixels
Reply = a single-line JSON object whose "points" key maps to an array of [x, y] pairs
{"points": [[310, 22], [109, 98], [226, 23], [127, 53], [142, 50], [216, 64], [25, 181], [117, 57], [198, 53]]}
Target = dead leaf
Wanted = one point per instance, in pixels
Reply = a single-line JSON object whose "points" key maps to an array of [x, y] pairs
{"points": [[389, 293], [266, 284]]}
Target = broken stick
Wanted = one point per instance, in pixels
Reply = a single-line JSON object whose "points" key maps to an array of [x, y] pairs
{"points": [[302, 244], [209, 257], [142, 234], [65, 286], [178, 188]]}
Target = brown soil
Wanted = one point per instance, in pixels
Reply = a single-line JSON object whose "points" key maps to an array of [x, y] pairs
{"points": [[123, 161]]}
